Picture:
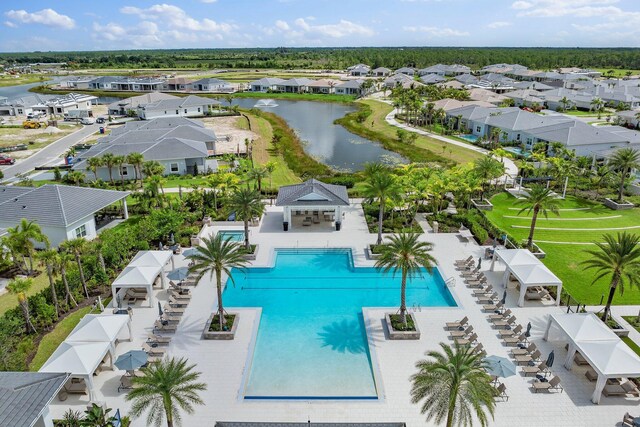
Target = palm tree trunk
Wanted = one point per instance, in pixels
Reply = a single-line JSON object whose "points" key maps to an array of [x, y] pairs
{"points": [[533, 228], [68, 297], [81, 271], [110, 175], [403, 298], [452, 406], [219, 289], [247, 247], [27, 317], [103, 267], [612, 292], [621, 189], [52, 284], [380, 217]]}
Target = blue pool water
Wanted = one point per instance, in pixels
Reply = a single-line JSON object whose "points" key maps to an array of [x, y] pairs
{"points": [[470, 137], [235, 235], [311, 341], [517, 151]]}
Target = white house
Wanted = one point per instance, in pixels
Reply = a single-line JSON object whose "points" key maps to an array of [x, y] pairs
{"points": [[359, 70], [63, 212], [189, 106], [122, 106], [265, 84], [211, 85]]}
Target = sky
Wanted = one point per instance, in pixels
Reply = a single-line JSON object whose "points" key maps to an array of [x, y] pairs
{"points": [[126, 24]]}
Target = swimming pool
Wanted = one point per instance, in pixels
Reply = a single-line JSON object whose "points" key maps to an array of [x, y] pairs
{"points": [[311, 341], [470, 137], [235, 235], [517, 151]]}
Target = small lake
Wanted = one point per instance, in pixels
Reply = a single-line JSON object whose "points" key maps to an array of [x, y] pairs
{"points": [[21, 91], [328, 143]]}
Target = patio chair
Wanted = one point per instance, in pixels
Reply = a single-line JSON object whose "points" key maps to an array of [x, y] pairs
{"points": [[628, 420], [177, 304], [623, 389], [125, 383], [464, 341], [487, 299], [501, 392], [591, 375], [580, 360], [470, 273], [479, 350], [461, 334], [168, 327], [504, 323], [158, 339], [463, 262], [527, 358], [180, 297], [171, 318], [527, 350], [476, 282], [541, 369], [175, 311], [499, 316], [154, 351], [137, 293], [76, 386], [459, 324], [510, 332], [514, 340], [307, 221], [495, 306], [552, 384], [483, 291]]}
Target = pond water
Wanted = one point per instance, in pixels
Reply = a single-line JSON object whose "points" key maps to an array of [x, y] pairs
{"points": [[330, 144], [20, 91]]}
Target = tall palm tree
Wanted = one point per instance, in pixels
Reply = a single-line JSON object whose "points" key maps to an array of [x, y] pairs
{"points": [[136, 160], [93, 163], [618, 257], [77, 177], [166, 388], [75, 247], [19, 288], [258, 174], [48, 259], [453, 386], [597, 105], [539, 199], [404, 253], [247, 204], [564, 102], [62, 261], [26, 234], [109, 160], [487, 169], [120, 161], [624, 160], [270, 166], [381, 187], [215, 257], [152, 168]]}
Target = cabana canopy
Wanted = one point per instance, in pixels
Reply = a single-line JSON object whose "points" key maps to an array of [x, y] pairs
{"points": [[80, 359], [100, 328], [138, 277], [528, 270], [151, 259], [599, 345]]}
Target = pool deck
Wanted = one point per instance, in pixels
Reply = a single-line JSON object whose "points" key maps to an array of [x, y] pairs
{"points": [[224, 363]]}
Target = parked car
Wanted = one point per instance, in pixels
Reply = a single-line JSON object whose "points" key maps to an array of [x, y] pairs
{"points": [[100, 120], [87, 121], [6, 160]]}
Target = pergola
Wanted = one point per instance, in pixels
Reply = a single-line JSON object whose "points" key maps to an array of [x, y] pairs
{"points": [[138, 277], [527, 269], [599, 345], [101, 328], [80, 359], [152, 259]]}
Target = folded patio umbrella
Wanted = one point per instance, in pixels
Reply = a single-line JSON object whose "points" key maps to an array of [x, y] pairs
{"points": [[504, 297], [528, 332], [179, 273], [160, 312], [499, 366], [190, 252], [550, 359], [131, 360]]}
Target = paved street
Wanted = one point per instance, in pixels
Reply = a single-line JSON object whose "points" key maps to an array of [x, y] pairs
{"points": [[49, 153]]}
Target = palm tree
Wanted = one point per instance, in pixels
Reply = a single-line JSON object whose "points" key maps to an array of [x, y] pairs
{"points": [[564, 102], [93, 163], [77, 177], [247, 204], [109, 160], [120, 161], [539, 199], [75, 247], [258, 174], [597, 105], [136, 160], [62, 261], [215, 257], [152, 168], [624, 160], [406, 254], [19, 288], [270, 166], [382, 186], [97, 416], [166, 388], [495, 138], [487, 169], [619, 257], [25, 235], [453, 386], [48, 259]]}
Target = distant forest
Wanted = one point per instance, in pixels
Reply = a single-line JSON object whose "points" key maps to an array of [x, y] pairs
{"points": [[337, 58]]}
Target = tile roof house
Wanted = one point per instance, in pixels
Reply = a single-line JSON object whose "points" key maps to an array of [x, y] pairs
{"points": [[323, 86], [25, 397], [177, 83], [265, 84], [430, 79], [406, 70], [211, 85], [350, 87], [381, 72], [122, 106], [63, 212], [359, 70], [189, 106], [296, 85]]}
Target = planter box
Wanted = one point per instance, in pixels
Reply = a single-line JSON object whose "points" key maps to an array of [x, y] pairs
{"points": [[482, 205], [402, 335], [537, 252], [612, 204], [222, 335], [621, 331], [252, 257], [369, 253], [195, 241]]}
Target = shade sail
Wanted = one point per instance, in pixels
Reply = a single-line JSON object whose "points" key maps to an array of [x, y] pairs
{"points": [[77, 358], [137, 276], [98, 327], [151, 259]]}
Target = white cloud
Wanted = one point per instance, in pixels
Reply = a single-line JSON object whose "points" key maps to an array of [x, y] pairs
{"points": [[558, 8], [436, 31], [499, 24], [208, 1], [306, 31], [174, 18], [10, 24], [342, 29], [282, 25], [48, 17]]}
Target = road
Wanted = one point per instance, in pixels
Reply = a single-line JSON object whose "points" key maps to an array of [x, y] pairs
{"points": [[50, 153]]}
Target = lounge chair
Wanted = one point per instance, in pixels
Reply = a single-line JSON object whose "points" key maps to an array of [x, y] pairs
{"points": [[495, 306], [524, 350], [514, 340], [307, 221], [501, 392], [464, 341], [475, 283], [580, 360], [463, 262], [487, 299], [459, 324], [158, 339], [461, 334], [164, 327], [179, 296], [483, 291], [552, 384], [479, 350], [76, 386], [505, 323], [510, 332], [171, 318], [527, 358], [541, 369], [174, 303], [125, 383], [591, 375], [626, 388], [628, 420], [470, 273], [154, 351], [499, 316]]}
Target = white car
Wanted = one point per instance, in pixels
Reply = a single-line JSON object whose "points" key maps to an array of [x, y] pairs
{"points": [[87, 121]]}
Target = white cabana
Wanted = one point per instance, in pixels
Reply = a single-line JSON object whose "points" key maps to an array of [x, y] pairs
{"points": [[598, 345], [138, 277], [527, 269], [80, 360], [152, 259], [101, 328]]}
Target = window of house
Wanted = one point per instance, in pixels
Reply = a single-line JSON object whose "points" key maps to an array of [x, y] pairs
{"points": [[177, 111], [81, 231], [478, 129], [124, 171], [518, 137], [198, 109], [529, 141], [185, 111], [174, 167]]}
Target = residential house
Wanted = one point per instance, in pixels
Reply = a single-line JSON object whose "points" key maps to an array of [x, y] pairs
{"points": [[63, 212], [359, 70], [350, 87], [486, 96], [430, 79], [70, 102], [400, 80], [142, 84], [265, 84], [212, 85], [76, 82], [104, 82], [48, 104], [532, 85], [323, 86], [381, 72], [177, 84], [445, 70], [406, 70], [123, 106], [467, 79], [526, 98], [553, 99], [296, 85], [24, 105], [630, 118], [507, 69], [26, 396], [189, 106]]}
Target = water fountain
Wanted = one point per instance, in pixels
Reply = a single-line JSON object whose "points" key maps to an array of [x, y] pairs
{"points": [[266, 103]]}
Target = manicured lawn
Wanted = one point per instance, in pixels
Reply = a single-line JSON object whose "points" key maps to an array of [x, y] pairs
{"points": [[566, 237], [582, 113], [8, 301], [22, 80], [621, 73], [632, 344], [34, 138]]}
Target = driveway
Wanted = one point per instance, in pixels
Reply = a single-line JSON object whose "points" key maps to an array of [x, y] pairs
{"points": [[50, 153]]}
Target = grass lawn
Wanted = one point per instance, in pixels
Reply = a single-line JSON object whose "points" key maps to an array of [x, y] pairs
{"points": [[22, 80], [52, 340], [582, 113], [566, 237], [8, 301], [453, 152], [632, 344], [618, 72], [10, 136]]}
